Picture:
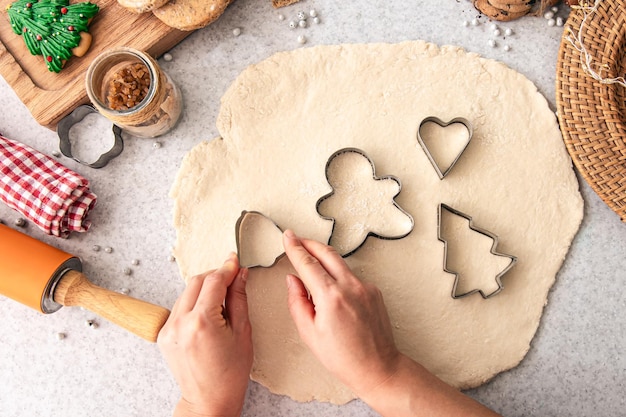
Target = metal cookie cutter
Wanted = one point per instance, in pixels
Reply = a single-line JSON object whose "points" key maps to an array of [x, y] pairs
{"points": [[388, 177], [245, 215], [441, 123], [492, 251], [63, 130]]}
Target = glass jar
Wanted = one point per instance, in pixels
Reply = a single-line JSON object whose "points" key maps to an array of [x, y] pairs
{"points": [[129, 88]]}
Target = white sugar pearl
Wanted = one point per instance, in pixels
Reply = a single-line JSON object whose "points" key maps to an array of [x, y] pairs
{"points": [[92, 324], [135, 262], [301, 16], [60, 336], [508, 32], [497, 32], [494, 26], [312, 13], [167, 57], [559, 21], [466, 23], [127, 271], [475, 22], [125, 291], [293, 24], [95, 248], [56, 154], [108, 249], [236, 32], [551, 22], [507, 48], [554, 9], [492, 43], [20, 222], [302, 23], [549, 14], [156, 145], [281, 17], [301, 39], [316, 20]]}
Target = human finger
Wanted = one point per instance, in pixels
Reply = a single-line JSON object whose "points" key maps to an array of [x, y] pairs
{"points": [[189, 296], [237, 301], [328, 257], [300, 306], [309, 269], [213, 291]]}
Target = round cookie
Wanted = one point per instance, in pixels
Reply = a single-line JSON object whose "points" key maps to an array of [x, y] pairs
{"points": [[515, 179], [486, 8], [141, 6], [512, 6], [190, 14]]}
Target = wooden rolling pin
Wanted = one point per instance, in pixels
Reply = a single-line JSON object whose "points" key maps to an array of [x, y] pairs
{"points": [[45, 278]]}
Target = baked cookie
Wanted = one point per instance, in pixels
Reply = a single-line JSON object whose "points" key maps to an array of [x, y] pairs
{"points": [[495, 13], [190, 14], [283, 3], [513, 6], [141, 6]]}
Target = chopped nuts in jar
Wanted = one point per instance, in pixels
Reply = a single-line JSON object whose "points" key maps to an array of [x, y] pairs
{"points": [[128, 87]]}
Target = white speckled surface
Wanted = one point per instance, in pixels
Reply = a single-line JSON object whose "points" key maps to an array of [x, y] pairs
{"points": [[575, 366]]}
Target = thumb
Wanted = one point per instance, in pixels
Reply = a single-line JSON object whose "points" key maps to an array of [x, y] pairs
{"points": [[237, 301], [300, 306]]}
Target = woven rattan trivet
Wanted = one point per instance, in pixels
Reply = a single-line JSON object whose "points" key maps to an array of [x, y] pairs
{"points": [[592, 114]]}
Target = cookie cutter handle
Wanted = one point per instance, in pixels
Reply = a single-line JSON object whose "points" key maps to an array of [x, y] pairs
{"points": [[65, 145]]}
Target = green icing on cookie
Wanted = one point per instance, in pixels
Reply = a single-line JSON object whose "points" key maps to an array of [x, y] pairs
{"points": [[51, 28]]}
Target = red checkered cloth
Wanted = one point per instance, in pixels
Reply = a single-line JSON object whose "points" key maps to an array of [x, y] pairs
{"points": [[49, 194]]}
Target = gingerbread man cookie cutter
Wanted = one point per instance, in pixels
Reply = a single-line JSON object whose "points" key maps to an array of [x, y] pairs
{"points": [[498, 277], [375, 178]]}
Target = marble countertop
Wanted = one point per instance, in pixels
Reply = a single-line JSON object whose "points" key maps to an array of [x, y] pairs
{"points": [[575, 366]]}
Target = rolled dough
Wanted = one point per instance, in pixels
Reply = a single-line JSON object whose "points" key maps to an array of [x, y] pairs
{"points": [[281, 120]]}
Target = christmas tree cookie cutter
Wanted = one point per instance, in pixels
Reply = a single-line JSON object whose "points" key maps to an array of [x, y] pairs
{"points": [[407, 227], [498, 277], [443, 171], [65, 145]]}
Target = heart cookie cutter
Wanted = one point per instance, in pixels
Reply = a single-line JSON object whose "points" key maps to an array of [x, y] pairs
{"points": [[376, 178], [456, 120], [498, 277], [65, 145]]}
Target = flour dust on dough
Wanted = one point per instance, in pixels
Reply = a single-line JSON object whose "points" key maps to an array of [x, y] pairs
{"points": [[281, 120]]}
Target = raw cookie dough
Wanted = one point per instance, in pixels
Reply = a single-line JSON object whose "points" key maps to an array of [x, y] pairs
{"points": [[282, 119]]}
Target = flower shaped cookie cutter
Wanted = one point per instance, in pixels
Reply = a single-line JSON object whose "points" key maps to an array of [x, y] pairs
{"points": [[498, 277], [406, 217], [65, 145]]}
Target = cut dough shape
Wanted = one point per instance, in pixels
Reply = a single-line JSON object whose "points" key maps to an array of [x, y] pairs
{"points": [[515, 177], [259, 240], [361, 204]]}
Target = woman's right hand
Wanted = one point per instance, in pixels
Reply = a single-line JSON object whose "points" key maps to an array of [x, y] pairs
{"points": [[344, 321]]}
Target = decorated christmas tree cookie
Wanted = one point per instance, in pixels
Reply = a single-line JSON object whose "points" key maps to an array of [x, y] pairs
{"points": [[54, 29]]}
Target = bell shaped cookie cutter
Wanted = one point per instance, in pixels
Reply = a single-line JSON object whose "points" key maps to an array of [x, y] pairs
{"points": [[239, 226], [376, 178], [498, 277], [432, 119]]}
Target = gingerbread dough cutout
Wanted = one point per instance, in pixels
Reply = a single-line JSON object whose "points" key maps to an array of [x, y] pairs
{"points": [[361, 204], [515, 178], [259, 240]]}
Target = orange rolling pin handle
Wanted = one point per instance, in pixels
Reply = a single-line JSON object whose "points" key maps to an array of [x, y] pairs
{"points": [[139, 317]]}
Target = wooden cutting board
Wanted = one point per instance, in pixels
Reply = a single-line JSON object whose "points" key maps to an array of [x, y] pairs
{"points": [[50, 96]]}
